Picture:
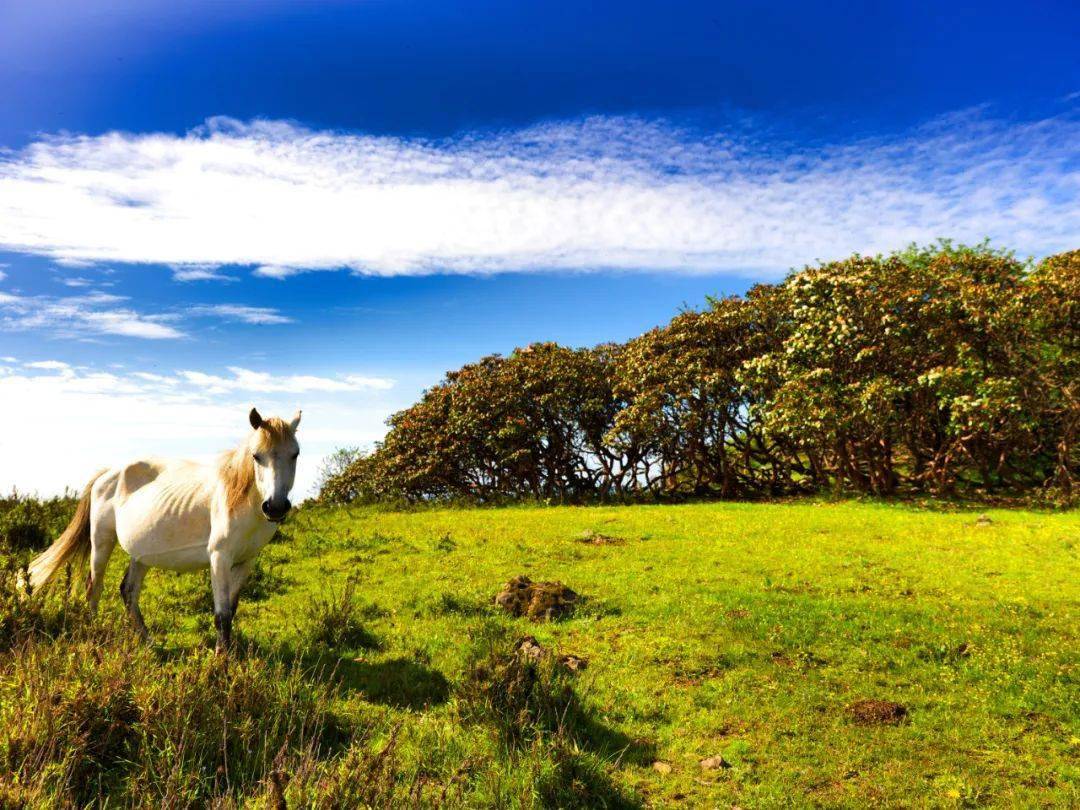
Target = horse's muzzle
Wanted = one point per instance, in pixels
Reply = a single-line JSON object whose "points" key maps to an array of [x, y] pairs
{"points": [[276, 512]]}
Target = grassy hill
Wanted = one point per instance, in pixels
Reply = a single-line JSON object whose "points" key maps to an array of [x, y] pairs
{"points": [[812, 653]]}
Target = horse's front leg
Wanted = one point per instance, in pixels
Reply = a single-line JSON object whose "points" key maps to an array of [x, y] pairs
{"points": [[221, 581], [237, 577]]}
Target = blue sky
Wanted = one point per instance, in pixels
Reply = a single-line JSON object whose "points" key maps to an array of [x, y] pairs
{"points": [[327, 205]]}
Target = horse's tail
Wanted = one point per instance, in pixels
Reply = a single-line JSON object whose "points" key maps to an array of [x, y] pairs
{"points": [[71, 546]]}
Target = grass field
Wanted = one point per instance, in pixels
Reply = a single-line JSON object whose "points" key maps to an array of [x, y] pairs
{"points": [[741, 631]]}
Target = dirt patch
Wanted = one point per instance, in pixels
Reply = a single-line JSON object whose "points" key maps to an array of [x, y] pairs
{"points": [[802, 658], [597, 539], [877, 712], [738, 613], [695, 676], [537, 601]]}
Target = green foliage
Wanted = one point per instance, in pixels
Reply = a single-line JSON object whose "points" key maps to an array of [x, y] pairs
{"points": [[915, 369], [336, 621], [946, 369], [29, 524]]}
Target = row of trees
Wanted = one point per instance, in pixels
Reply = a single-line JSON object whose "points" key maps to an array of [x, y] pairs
{"points": [[938, 369]]}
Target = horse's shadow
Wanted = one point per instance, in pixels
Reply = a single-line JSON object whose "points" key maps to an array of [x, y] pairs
{"points": [[400, 682]]}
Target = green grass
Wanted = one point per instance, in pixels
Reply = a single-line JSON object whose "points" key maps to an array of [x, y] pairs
{"points": [[744, 630]]}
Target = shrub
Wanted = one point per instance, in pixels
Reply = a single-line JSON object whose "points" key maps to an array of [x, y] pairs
{"points": [[335, 621], [101, 716], [29, 524]]}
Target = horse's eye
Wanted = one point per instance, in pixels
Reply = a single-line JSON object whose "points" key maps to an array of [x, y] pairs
{"points": [[256, 457], [296, 455]]}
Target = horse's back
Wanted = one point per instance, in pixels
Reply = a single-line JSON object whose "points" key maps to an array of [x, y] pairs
{"points": [[161, 510]]}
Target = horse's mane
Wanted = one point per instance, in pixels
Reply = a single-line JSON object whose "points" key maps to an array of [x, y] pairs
{"points": [[235, 467]]}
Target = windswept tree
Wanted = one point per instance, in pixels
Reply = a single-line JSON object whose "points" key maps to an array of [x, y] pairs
{"points": [[916, 365], [1053, 301], [688, 413], [939, 369]]}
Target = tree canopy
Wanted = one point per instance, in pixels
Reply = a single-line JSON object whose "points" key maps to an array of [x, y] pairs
{"points": [[946, 369]]}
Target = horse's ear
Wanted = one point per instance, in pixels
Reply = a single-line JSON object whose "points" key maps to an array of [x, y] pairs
{"points": [[255, 419], [295, 423]]}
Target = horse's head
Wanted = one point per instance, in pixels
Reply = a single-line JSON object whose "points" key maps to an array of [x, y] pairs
{"points": [[274, 451]]}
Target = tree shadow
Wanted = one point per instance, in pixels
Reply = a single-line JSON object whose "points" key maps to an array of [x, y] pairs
{"points": [[526, 700], [575, 781], [593, 735]]}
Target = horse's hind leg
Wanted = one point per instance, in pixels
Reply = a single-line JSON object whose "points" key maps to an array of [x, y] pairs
{"points": [[102, 543], [129, 592]]}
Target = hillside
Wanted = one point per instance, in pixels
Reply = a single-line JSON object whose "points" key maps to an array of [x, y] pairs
{"points": [[756, 635]]}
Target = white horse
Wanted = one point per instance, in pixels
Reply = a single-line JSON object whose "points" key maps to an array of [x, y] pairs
{"points": [[183, 516]]}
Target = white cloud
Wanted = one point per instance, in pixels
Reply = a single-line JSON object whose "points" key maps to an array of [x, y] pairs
{"points": [[120, 417], [603, 192], [49, 365], [246, 380], [98, 313], [242, 313], [199, 273], [78, 282], [81, 316]]}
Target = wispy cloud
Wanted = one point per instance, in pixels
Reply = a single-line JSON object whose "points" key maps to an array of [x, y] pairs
{"points": [[126, 415], [200, 384], [243, 379], [98, 313], [602, 192], [49, 365], [199, 273], [89, 315], [241, 313]]}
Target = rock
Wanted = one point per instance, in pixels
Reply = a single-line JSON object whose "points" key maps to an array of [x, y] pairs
{"points": [[529, 649], [662, 767], [714, 763], [515, 595], [984, 520], [573, 663], [539, 601], [877, 712]]}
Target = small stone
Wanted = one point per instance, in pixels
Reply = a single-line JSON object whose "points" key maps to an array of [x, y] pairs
{"points": [[984, 520], [662, 767], [529, 649], [714, 763], [573, 663]]}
